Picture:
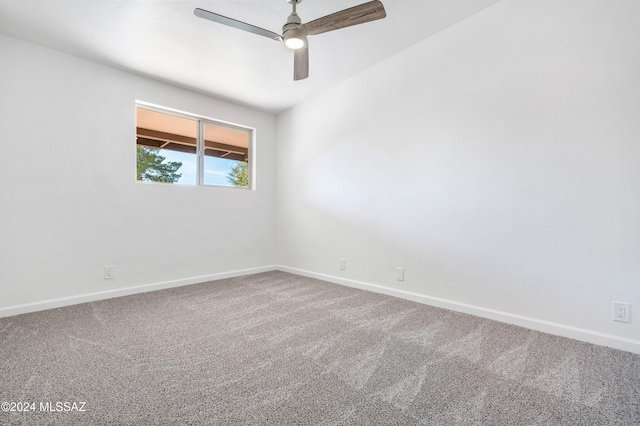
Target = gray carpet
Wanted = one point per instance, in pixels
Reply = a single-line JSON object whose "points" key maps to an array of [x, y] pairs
{"points": [[276, 348]]}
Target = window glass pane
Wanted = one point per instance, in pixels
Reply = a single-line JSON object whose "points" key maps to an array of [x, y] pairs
{"points": [[226, 156], [166, 147]]}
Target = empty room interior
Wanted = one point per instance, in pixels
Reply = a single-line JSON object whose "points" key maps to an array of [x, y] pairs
{"points": [[426, 213]]}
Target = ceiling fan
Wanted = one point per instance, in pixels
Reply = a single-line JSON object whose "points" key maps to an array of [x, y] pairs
{"points": [[294, 32]]}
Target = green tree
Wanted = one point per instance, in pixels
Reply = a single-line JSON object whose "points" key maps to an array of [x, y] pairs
{"points": [[151, 166], [239, 174]]}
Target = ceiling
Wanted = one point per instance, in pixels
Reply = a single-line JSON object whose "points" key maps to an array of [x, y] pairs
{"points": [[163, 39]]}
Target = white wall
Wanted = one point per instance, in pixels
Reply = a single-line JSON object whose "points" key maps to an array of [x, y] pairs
{"points": [[69, 200], [498, 162]]}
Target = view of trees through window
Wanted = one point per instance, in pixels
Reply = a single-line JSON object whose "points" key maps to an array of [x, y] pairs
{"points": [[152, 167], [176, 148]]}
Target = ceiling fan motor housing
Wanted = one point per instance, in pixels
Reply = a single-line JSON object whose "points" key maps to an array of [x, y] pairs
{"points": [[293, 21]]}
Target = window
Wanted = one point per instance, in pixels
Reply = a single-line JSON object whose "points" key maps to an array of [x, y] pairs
{"points": [[181, 148]]}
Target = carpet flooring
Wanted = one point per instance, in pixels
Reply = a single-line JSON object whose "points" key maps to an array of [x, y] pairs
{"points": [[281, 349]]}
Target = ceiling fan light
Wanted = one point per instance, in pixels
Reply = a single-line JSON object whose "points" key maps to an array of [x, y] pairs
{"points": [[295, 38], [294, 43]]}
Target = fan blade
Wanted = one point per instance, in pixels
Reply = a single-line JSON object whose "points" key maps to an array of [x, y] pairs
{"points": [[301, 63], [201, 13], [366, 12]]}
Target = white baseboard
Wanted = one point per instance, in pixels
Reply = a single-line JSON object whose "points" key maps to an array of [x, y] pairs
{"points": [[92, 297], [603, 339]]}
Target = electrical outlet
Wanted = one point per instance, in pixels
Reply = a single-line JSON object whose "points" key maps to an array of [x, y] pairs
{"points": [[400, 274], [621, 312], [343, 264], [109, 272]]}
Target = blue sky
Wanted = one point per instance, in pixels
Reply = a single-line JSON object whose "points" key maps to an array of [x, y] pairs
{"points": [[215, 169]]}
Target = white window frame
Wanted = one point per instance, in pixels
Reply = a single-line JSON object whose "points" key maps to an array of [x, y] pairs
{"points": [[201, 122]]}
